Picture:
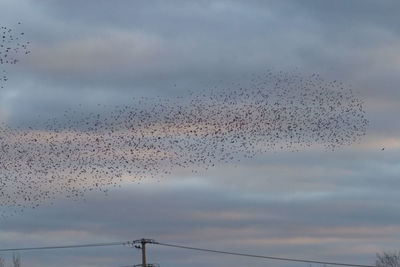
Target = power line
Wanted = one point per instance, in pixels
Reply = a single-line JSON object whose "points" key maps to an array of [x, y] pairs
{"points": [[120, 243], [262, 256], [150, 241]]}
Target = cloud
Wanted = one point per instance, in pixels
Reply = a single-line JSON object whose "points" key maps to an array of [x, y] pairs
{"points": [[214, 218], [105, 54], [310, 204]]}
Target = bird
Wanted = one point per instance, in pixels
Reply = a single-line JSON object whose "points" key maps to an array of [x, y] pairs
{"points": [[82, 151], [12, 46]]}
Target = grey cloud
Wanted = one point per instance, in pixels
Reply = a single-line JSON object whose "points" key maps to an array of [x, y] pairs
{"points": [[198, 216], [323, 205], [261, 39]]}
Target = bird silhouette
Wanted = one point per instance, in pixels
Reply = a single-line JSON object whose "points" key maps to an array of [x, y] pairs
{"points": [[12, 45], [82, 151]]}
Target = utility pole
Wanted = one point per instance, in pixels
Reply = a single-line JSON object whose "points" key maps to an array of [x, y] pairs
{"points": [[142, 247], [143, 242]]}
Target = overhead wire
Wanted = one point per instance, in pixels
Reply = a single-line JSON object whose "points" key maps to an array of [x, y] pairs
{"points": [[130, 243], [120, 243], [262, 256]]}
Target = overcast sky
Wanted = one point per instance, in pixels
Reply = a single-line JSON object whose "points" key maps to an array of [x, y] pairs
{"points": [[340, 205]]}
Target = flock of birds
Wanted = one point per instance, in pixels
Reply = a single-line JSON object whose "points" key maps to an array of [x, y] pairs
{"points": [[80, 151], [12, 44]]}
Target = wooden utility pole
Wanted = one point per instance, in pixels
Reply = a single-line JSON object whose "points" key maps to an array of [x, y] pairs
{"points": [[143, 242], [142, 247]]}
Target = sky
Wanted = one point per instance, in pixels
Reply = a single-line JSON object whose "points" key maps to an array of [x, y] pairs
{"points": [[315, 203]]}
